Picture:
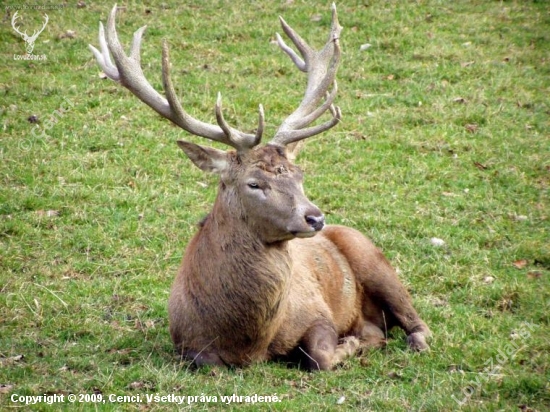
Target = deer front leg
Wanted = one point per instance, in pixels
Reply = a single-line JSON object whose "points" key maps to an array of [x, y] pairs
{"points": [[387, 303], [397, 303], [321, 348]]}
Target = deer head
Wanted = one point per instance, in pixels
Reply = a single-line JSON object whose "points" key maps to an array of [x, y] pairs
{"points": [[29, 39], [260, 183]]}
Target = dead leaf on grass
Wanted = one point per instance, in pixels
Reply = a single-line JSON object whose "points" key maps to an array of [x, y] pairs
{"points": [[148, 324], [394, 375], [480, 166], [525, 408], [520, 218], [520, 264], [471, 127], [124, 351], [505, 305], [455, 369], [509, 302], [435, 241], [47, 213], [466, 64], [461, 100], [438, 302], [137, 385], [11, 360], [534, 275], [6, 388], [69, 34]]}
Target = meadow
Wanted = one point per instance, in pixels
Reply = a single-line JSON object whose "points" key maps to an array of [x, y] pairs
{"points": [[442, 158]]}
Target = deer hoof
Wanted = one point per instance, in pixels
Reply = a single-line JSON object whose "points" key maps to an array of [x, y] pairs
{"points": [[417, 342]]}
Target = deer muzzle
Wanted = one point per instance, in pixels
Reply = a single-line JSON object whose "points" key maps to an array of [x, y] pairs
{"points": [[316, 222], [312, 221]]}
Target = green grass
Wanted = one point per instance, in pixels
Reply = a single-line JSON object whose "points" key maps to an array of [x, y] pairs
{"points": [[445, 134]]}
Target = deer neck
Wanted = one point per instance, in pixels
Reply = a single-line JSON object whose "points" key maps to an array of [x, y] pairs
{"points": [[240, 275], [239, 245]]}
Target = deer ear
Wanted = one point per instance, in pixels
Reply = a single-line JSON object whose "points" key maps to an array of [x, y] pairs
{"points": [[205, 158]]}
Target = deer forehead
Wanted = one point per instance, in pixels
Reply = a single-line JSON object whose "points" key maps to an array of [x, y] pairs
{"points": [[267, 160]]}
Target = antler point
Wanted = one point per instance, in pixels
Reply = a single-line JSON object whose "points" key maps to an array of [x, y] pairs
{"points": [[113, 10]]}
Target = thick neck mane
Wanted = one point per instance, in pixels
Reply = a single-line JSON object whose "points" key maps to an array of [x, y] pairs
{"points": [[232, 272]]}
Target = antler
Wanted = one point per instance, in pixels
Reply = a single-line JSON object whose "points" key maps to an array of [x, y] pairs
{"points": [[127, 70], [13, 20], [321, 67], [37, 32], [25, 36]]}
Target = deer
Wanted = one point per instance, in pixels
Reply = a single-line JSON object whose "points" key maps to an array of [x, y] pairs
{"points": [[30, 40], [264, 278]]}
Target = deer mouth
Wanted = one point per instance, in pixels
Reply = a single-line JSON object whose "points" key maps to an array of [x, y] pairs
{"points": [[314, 224]]}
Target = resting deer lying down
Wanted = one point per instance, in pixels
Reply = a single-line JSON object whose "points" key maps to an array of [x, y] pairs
{"points": [[264, 277]]}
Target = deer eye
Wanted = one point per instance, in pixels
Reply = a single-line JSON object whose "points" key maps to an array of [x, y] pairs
{"points": [[253, 185]]}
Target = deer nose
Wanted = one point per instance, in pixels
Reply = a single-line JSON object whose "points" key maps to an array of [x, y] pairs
{"points": [[316, 222]]}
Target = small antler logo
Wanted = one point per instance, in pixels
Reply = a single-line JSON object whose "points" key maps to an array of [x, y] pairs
{"points": [[28, 39]]}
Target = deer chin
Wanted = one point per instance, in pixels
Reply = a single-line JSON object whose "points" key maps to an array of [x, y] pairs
{"points": [[305, 235]]}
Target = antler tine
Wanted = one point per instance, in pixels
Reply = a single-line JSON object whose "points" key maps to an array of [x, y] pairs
{"points": [[127, 70], [229, 131], [181, 117], [103, 58], [321, 67], [36, 33], [13, 21]]}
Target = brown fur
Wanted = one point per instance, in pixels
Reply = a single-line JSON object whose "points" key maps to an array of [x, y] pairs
{"points": [[255, 282], [248, 290]]}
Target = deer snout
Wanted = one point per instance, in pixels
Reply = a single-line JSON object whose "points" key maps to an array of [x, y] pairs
{"points": [[315, 221], [306, 221]]}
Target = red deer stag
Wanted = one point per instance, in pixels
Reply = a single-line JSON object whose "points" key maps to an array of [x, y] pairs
{"points": [[264, 277]]}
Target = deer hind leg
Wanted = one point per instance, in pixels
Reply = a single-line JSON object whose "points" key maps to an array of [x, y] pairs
{"points": [[321, 349], [370, 335]]}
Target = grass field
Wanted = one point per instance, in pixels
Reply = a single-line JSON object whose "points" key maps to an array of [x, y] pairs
{"points": [[445, 134]]}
